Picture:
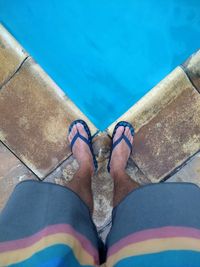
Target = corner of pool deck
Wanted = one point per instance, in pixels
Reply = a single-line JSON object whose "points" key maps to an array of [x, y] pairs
{"points": [[35, 115]]}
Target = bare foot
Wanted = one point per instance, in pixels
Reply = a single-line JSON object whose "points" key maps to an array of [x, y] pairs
{"points": [[81, 150], [121, 152], [81, 182], [123, 184]]}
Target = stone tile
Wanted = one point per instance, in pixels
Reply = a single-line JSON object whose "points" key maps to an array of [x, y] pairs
{"points": [[34, 119], [102, 182], [12, 171], [189, 173], [192, 69], [11, 55], [167, 124], [63, 173]]}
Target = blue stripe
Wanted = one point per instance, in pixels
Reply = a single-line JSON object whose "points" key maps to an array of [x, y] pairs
{"points": [[54, 256], [163, 259]]}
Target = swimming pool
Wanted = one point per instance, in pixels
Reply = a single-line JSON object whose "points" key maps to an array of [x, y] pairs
{"points": [[105, 54]]}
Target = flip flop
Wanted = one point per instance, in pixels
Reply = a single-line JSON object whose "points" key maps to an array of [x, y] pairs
{"points": [[122, 137], [88, 140]]}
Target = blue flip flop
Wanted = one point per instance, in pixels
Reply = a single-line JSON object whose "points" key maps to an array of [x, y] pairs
{"points": [[88, 140], [122, 137]]}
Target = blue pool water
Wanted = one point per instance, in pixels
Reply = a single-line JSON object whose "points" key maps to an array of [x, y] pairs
{"points": [[105, 54]]}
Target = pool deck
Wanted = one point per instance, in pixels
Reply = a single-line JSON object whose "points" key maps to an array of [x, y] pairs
{"points": [[35, 115]]}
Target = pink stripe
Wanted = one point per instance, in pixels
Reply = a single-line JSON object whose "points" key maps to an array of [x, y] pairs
{"points": [[52, 229], [164, 232]]}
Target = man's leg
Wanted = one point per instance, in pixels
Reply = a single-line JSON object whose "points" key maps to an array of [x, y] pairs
{"points": [[155, 225], [48, 225], [123, 184], [81, 182]]}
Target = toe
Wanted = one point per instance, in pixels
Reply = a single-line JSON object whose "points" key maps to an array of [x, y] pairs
{"points": [[118, 133], [70, 137], [131, 139], [129, 135], [127, 131], [72, 133], [81, 130]]}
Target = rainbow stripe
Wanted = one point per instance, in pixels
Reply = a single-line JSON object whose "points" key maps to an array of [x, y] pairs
{"points": [[162, 259], [68, 243], [154, 241]]}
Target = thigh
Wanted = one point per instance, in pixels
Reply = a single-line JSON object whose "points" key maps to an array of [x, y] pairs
{"points": [[156, 225], [44, 224]]}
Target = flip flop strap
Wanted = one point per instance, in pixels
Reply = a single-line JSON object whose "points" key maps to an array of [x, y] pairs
{"points": [[78, 135], [120, 139]]}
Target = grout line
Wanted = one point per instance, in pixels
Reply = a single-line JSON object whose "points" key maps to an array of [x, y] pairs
{"points": [[55, 168], [168, 176], [12, 75], [41, 179], [107, 131], [189, 78], [97, 132], [20, 160]]}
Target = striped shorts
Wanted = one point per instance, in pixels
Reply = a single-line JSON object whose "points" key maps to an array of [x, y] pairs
{"points": [[47, 225]]}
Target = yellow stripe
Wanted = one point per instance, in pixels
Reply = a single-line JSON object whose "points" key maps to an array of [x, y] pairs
{"points": [[18, 255], [153, 246]]}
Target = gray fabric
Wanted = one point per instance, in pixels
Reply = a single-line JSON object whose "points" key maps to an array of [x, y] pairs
{"points": [[34, 205], [154, 206]]}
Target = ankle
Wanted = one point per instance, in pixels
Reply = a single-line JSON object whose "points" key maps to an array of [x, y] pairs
{"points": [[86, 168], [117, 173], [122, 187]]}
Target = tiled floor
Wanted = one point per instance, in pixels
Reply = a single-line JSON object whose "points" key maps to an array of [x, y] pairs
{"points": [[34, 120]]}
